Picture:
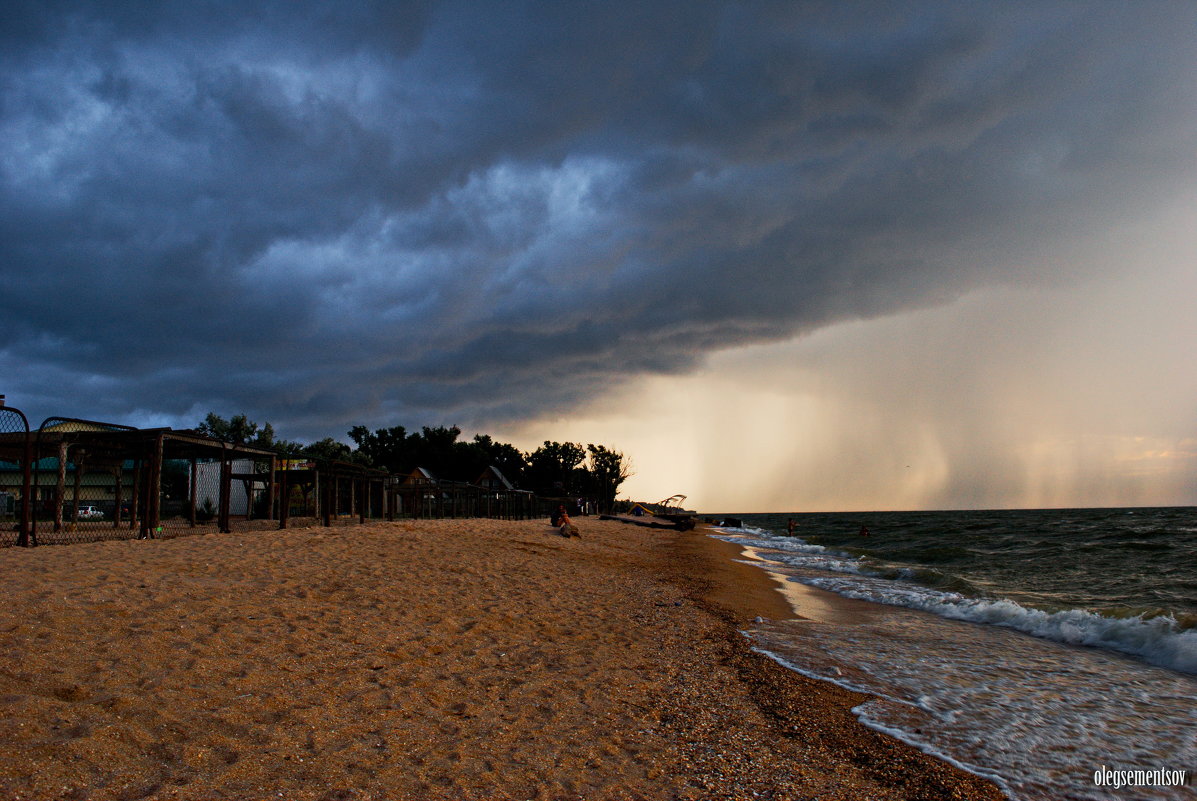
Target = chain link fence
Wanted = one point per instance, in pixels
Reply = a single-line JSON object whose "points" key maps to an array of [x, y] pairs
{"points": [[80, 483], [430, 499], [15, 456]]}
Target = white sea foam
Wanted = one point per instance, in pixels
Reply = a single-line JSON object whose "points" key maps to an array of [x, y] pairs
{"points": [[834, 564], [862, 713], [1031, 720], [1157, 640], [756, 538]]}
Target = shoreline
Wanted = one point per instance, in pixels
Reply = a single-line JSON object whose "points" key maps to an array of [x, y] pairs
{"points": [[471, 659], [802, 706]]}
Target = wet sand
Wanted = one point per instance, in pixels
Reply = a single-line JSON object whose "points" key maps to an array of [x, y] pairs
{"points": [[470, 659]]}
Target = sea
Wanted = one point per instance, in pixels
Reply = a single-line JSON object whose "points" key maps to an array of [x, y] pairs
{"points": [[1052, 651]]}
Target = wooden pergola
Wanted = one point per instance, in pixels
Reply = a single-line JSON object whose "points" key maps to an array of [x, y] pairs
{"points": [[80, 447], [81, 480]]}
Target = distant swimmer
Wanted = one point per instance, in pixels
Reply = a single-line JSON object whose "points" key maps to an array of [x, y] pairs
{"points": [[864, 531], [791, 526]]}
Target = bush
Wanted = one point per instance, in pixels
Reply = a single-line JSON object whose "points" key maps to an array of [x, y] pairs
{"points": [[206, 512]]}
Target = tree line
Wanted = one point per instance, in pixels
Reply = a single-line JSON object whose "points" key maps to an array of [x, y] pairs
{"points": [[555, 469]]}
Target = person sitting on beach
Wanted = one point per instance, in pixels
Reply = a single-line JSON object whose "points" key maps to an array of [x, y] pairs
{"points": [[567, 528]]}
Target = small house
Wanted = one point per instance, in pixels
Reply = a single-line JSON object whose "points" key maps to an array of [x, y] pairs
{"points": [[493, 480]]}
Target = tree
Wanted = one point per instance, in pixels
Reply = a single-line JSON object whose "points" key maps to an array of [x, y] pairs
{"points": [[290, 448], [437, 449], [553, 468], [238, 431], [484, 452], [386, 448], [329, 448], [433, 448], [608, 469]]}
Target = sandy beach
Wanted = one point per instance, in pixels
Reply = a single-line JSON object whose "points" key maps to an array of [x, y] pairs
{"points": [[456, 659]]}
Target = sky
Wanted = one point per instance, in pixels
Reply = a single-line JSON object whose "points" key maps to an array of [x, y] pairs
{"points": [[792, 256]]}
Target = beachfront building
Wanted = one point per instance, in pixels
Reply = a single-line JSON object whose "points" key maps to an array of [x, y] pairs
{"points": [[419, 477], [421, 494], [502, 498], [492, 479], [414, 494]]}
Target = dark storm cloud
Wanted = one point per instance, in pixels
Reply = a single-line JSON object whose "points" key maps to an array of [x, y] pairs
{"points": [[323, 214]]}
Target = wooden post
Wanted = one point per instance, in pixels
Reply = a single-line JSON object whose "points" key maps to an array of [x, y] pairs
{"points": [[226, 491], [78, 482], [191, 491], [24, 538], [327, 503], [143, 513], [118, 479], [316, 508], [284, 498], [135, 501], [271, 490], [60, 488], [155, 497]]}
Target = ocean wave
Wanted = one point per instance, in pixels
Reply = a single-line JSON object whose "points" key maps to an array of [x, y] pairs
{"points": [[1158, 640], [758, 538], [795, 552]]}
